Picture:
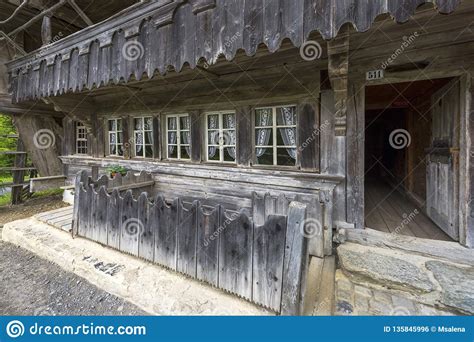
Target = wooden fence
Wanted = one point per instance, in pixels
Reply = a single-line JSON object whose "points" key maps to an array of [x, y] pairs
{"points": [[265, 263]]}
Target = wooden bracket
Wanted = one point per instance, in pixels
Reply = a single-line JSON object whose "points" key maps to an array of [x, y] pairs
{"points": [[338, 60]]}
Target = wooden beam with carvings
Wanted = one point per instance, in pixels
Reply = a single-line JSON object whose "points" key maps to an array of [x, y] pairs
{"points": [[338, 60]]}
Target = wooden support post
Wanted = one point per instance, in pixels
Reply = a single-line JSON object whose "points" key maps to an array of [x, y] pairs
{"points": [[355, 141], [295, 264], [46, 33], [196, 136], [338, 58], [18, 175], [156, 137], [127, 139], [467, 164], [244, 130]]}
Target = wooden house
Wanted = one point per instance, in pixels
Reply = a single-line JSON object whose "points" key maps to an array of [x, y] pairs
{"points": [[359, 110]]}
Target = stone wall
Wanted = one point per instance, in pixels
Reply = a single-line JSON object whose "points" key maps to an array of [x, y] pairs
{"points": [[374, 280]]}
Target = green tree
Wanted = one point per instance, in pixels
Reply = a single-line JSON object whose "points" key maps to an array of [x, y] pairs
{"points": [[6, 144]]}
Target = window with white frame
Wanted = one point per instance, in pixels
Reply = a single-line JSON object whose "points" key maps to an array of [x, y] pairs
{"points": [[143, 136], [178, 136], [220, 137], [275, 135], [115, 137], [81, 138]]}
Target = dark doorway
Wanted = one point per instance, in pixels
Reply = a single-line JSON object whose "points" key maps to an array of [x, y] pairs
{"points": [[398, 138]]}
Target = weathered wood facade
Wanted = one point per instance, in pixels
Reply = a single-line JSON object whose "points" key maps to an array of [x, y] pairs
{"points": [[205, 69]]}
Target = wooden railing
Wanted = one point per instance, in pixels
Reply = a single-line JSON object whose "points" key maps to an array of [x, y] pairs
{"points": [[264, 262]]}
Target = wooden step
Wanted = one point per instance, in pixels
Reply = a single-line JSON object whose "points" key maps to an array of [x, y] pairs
{"points": [[319, 295]]}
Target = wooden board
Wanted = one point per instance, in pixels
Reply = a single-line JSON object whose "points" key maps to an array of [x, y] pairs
{"points": [[207, 252], [235, 253], [130, 226], [295, 262], [187, 239], [268, 254], [166, 234]]}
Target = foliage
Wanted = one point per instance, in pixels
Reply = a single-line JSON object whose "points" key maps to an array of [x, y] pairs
{"points": [[117, 169], [6, 144]]}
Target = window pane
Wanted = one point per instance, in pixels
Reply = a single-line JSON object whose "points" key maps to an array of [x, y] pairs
{"points": [[172, 137], [286, 156], [263, 117], [228, 138], [263, 137], [286, 136], [148, 151], [112, 125], [172, 123], [120, 150], [213, 153], [229, 154], [148, 138], [172, 151], [213, 137], [119, 137], [264, 156], [228, 121], [139, 138], [113, 138], [138, 123], [119, 124], [139, 150], [185, 137], [286, 116], [213, 121], [184, 152], [112, 149], [148, 124], [185, 122]]}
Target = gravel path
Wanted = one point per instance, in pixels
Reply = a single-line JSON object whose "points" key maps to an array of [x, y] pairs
{"points": [[30, 285]]}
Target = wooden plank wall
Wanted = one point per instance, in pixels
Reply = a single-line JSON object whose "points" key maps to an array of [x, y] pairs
{"points": [[265, 263]]}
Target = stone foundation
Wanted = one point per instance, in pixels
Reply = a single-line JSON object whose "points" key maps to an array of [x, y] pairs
{"points": [[383, 281]]}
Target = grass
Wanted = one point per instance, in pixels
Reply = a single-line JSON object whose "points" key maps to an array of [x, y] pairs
{"points": [[6, 199]]}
